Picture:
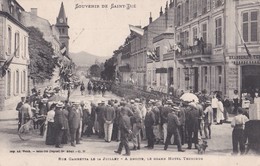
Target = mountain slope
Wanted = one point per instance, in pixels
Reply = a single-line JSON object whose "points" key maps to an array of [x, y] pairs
{"points": [[86, 59]]}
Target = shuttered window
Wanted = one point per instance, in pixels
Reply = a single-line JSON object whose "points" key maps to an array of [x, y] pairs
{"points": [[250, 25]]}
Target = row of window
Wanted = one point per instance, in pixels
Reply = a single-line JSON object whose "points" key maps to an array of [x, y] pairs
{"points": [[205, 75], [16, 79], [20, 43], [249, 30], [190, 9]]}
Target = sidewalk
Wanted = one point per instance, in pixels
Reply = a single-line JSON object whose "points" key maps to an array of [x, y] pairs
{"points": [[9, 114]]}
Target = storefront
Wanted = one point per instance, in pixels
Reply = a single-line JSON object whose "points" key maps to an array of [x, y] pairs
{"points": [[243, 74]]}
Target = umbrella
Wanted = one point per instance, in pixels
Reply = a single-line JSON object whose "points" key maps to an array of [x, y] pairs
{"points": [[57, 98], [189, 97]]}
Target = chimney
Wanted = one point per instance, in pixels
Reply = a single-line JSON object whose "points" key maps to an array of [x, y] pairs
{"points": [[170, 4], [166, 8], [150, 19], [161, 12], [34, 11]]}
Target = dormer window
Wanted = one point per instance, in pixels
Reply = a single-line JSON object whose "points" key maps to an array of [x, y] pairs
{"points": [[19, 11], [11, 8]]}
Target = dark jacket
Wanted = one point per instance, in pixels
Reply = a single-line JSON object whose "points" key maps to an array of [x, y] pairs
{"points": [[124, 124], [100, 110], [173, 122], [66, 117], [59, 119], [126, 110], [74, 119], [109, 114], [181, 116], [192, 118], [149, 119], [156, 112], [164, 114]]}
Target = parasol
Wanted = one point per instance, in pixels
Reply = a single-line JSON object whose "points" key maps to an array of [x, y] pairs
{"points": [[190, 97]]}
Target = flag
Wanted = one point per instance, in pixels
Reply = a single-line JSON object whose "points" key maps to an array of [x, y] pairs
{"points": [[136, 30], [8, 62], [247, 50], [156, 55], [63, 49], [149, 54]]}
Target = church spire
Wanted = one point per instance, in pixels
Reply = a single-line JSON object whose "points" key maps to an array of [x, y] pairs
{"points": [[62, 16]]}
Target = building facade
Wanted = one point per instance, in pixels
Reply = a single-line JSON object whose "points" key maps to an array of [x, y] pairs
{"points": [[50, 32], [13, 40], [207, 52], [213, 57]]}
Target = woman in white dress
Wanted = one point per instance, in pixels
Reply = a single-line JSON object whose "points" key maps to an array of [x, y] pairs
{"points": [[220, 112]]}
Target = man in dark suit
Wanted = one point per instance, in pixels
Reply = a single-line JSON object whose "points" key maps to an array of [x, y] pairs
{"points": [[192, 123], [59, 124], [74, 124], [173, 129], [125, 130], [149, 124], [100, 110]]}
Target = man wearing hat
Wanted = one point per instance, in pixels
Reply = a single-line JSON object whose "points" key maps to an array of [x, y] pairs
{"points": [[109, 116], [172, 129], [149, 124], [59, 124], [43, 106], [164, 115], [26, 112], [208, 119], [192, 124], [125, 131], [137, 125], [156, 112], [18, 108], [100, 110], [74, 124]]}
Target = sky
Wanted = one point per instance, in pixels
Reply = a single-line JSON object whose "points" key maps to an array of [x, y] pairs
{"points": [[98, 31]]}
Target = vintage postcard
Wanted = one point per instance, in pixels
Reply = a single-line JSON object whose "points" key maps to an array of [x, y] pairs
{"points": [[125, 82]]}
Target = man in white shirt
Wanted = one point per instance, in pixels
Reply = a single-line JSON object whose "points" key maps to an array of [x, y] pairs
{"points": [[238, 123], [214, 105]]}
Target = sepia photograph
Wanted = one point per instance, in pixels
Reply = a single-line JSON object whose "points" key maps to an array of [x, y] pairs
{"points": [[125, 82]]}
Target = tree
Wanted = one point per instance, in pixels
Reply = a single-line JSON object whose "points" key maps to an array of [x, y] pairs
{"points": [[95, 70], [109, 69], [42, 64]]}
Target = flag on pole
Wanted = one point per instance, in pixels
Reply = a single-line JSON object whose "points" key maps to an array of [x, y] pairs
{"points": [[63, 49], [156, 55], [8, 62], [136, 30], [149, 55], [247, 50]]}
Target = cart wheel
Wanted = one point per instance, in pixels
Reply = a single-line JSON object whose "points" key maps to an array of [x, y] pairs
{"points": [[26, 132]]}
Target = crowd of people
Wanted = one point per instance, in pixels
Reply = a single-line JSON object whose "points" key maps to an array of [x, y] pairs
{"points": [[164, 122]]}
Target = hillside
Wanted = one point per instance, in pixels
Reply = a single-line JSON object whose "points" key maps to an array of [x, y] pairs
{"points": [[86, 59]]}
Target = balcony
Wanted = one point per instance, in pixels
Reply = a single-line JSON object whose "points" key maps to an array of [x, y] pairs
{"points": [[196, 53], [168, 56]]}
